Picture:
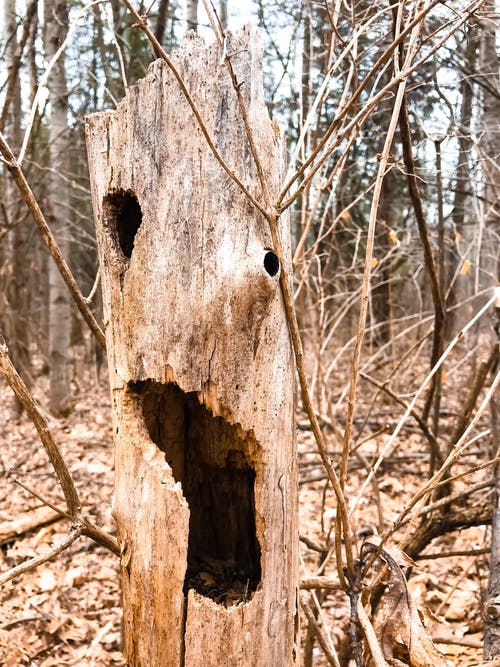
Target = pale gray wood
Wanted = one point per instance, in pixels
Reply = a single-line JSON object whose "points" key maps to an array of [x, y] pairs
{"points": [[201, 365]]}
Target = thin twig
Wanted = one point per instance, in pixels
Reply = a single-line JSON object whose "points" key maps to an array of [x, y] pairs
{"points": [[391, 442], [15, 66], [355, 124], [457, 450], [470, 471], [468, 408], [31, 564], [93, 291], [354, 98], [422, 425], [327, 583], [371, 637], [87, 527], [43, 81], [430, 265], [370, 243], [42, 499], [329, 655], [445, 502], [453, 554]]}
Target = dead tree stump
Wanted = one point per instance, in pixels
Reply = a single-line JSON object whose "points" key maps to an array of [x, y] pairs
{"points": [[201, 368]]}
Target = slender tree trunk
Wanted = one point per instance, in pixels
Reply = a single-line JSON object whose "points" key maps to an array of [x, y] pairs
{"points": [[460, 288], [15, 322], [118, 10], [381, 297], [307, 57], [490, 153], [192, 15], [56, 25], [39, 283], [161, 21], [223, 13], [492, 605], [490, 141]]}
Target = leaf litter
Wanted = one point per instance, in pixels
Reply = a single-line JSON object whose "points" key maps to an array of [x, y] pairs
{"points": [[67, 612]]}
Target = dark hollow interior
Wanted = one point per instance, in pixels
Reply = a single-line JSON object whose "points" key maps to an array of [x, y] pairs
{"points": [[208, 457], [123, 216], [271, 263]]}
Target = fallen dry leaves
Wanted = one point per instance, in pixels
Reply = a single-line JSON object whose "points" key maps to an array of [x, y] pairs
{"points": [[67, 612]]}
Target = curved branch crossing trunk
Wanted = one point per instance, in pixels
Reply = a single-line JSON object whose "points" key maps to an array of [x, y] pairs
{"points": [[201, 369]]}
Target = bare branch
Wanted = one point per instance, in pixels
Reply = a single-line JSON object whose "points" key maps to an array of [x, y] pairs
{"points": [[49, 240], [36, 415], [85, 527], [328, 583], [391, 442], [327, 649], [422, 425], [31, 564]]}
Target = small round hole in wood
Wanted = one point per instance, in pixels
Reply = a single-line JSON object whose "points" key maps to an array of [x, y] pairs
{"points": [[271, 263], [123, 216]]}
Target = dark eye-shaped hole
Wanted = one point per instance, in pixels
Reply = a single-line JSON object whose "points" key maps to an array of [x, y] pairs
{"points": [[271, 263], [123, 216]]}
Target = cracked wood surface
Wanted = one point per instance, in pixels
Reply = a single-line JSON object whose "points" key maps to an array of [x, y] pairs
{"points": [[195, 306]]}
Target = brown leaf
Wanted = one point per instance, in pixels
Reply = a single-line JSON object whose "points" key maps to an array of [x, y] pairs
{"points": [[397, 624]]}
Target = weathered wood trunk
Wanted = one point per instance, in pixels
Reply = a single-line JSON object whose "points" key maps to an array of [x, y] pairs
{"points": [[201, 369]]}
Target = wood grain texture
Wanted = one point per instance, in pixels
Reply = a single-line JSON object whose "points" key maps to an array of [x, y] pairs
{"points": [[201, 367]]}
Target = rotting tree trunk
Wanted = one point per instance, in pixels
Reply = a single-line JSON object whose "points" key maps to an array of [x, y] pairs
{"points": [[201, 369]]}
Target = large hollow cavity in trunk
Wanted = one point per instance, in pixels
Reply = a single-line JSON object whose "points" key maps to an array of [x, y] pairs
{"points": [[211, 458]]}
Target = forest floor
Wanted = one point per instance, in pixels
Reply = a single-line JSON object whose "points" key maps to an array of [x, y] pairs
{"points": [[67, 611]]}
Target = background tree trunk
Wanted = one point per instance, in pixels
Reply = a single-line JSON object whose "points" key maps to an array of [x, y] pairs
{"points": [[462, 287], [56, 26], [192, 15], [492, 603], [201, 369], [490, 140], [223, 13], [161, 21], [15, 265], [490, 153], [306, 58]]}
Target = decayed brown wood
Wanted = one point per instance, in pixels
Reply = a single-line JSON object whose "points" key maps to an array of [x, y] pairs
{"points": [[201, 367]]}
